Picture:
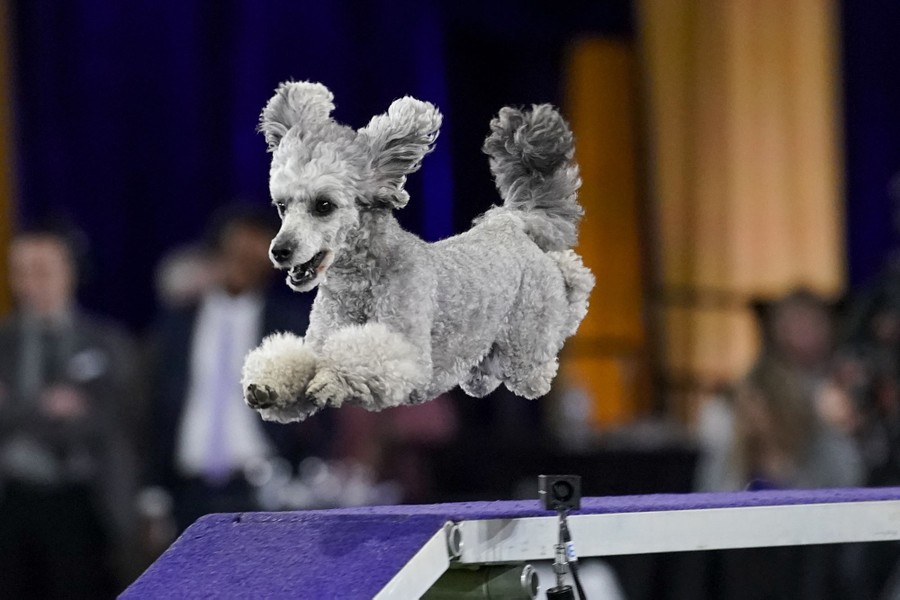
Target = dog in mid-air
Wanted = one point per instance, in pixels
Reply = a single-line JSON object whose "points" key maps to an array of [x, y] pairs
{"points": [[398, 320]]}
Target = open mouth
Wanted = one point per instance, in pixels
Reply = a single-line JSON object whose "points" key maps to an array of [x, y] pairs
{"points": [[308, 271]]}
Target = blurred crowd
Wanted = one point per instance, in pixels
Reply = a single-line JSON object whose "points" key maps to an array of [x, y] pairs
{"points": [[815, 410], [111, 443]]}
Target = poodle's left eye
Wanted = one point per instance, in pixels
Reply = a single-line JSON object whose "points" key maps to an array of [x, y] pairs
{"points": [[323, 207], [280, 206]]}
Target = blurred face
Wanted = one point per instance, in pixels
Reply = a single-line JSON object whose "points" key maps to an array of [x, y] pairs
{"points": [[244, 258], [42, 275], [885, 326], [802, 334]]}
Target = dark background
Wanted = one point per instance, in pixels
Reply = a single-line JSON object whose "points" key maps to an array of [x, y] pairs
{"points": [[135, 120]]}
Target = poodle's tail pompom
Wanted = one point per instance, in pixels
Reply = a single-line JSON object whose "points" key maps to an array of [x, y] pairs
{"points": [[531, 154], [303, 103]]}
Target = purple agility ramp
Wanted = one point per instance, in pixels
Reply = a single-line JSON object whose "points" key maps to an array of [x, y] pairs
{"points": [[399, 551]]}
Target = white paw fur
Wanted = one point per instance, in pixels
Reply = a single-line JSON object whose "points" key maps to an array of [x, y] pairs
{"points": [[285, 365]]}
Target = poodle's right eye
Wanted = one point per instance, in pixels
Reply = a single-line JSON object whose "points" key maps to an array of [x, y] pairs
{"points": [[280, 205], [323, 207]]}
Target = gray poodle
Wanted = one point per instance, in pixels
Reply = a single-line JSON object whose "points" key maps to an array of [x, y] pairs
{"points": [[398, 320]]}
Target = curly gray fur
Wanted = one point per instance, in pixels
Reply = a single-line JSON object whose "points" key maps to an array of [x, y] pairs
{"points": [[399, 151], [531, 159], [302, 104], [397, 320]]}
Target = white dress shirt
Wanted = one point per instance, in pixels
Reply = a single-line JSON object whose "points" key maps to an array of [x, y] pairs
{"points": [[244, 435]]}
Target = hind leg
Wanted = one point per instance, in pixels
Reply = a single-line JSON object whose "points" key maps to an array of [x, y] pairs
{"points": [[527, 352], [528, 359], [482, 378], [579, 282], [532, 381]]}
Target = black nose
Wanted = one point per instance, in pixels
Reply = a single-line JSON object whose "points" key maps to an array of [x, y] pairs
{"points": [[282, 252]]}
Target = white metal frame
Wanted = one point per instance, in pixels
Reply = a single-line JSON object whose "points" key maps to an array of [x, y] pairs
{"points": [[533, 538], [422, 570]]}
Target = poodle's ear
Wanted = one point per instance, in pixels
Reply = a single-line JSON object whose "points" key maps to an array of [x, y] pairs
{"points": [[398, 140], [301, 103]]}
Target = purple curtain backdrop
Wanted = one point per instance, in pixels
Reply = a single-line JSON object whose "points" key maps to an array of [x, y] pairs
{"points": [[871, 65], [135, 120]]}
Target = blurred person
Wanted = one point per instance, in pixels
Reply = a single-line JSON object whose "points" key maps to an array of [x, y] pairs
{"points": [[784, 408], [799, 333], [862, 396], [184, 275], [865, 386], [66, 466], [780, 440], [205, 436], [836, 401], [862, 399]]}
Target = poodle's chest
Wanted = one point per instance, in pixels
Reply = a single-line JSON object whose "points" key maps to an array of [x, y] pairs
{"points": [[355, 305]]}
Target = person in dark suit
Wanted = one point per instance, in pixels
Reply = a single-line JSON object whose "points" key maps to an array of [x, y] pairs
{"points": [[66, 461], [205, 437]]}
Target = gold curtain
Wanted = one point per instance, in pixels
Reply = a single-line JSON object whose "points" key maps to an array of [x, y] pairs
{"points": [[607, 358], [6, 151], [743, 112]]}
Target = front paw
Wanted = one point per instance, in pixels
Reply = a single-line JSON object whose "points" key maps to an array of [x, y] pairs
{"points": [[328, 388], [275, 377], [264, 400], [258, 397]]}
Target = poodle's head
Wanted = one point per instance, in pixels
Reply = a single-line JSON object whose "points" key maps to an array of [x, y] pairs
{"points": [[324, 174]]}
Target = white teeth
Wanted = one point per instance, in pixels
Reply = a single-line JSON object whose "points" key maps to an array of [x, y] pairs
{"points": [[304, 273]]}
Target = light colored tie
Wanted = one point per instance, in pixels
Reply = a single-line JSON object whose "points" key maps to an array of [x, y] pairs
{"points": [[218, 468]]}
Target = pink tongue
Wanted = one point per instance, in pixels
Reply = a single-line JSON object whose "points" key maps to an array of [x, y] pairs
{"points": [[322, 264]]}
